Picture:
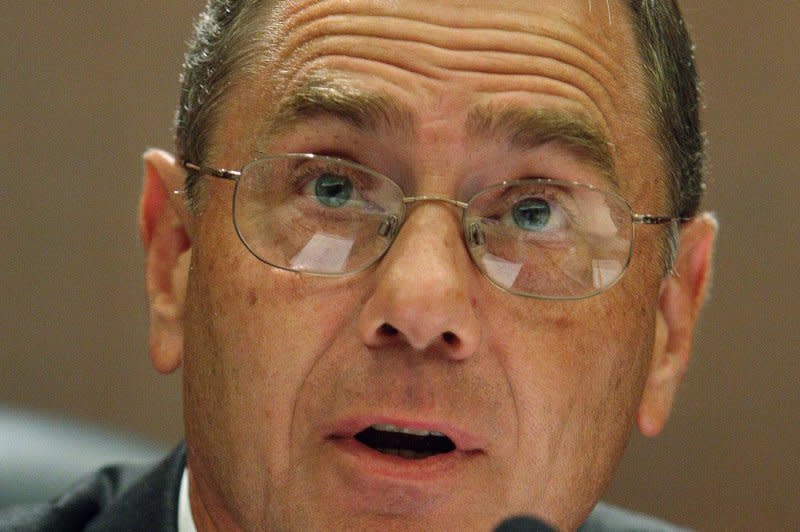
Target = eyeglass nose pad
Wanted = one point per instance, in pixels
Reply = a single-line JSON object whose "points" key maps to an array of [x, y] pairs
{"points": [[475, 235], [388, 227]]}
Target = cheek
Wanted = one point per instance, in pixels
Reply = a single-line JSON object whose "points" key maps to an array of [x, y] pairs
{"points": [[576, 385], [253, 333], [571, 342]]}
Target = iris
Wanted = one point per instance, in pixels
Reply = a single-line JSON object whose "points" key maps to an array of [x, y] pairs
{"points": [[531, 214], [333, 190]]}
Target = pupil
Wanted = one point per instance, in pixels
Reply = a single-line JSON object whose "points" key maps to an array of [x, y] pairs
{"points": [[531, 214], [333, 190]]}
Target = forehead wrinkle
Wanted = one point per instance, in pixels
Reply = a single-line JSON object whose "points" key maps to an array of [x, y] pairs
{"points": [[322, 95], [528, 128], [510, 29], [503, 51]]}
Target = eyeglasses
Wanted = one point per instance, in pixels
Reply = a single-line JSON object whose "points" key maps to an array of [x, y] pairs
{"points": [[541, 238]]}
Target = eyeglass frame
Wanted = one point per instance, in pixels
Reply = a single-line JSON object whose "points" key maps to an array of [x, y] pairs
{"points": [[635, 218]]}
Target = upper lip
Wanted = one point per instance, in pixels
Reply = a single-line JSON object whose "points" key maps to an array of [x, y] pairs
{"points": [[464, 440]]}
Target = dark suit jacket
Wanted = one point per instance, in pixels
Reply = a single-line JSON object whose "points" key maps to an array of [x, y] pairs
{"points": [[114, 498], [135, 498]]}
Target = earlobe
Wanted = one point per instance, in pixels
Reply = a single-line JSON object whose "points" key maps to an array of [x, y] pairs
{"points": [[680, 301], [165, 237]]}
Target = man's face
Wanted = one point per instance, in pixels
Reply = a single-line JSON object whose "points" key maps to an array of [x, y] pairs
{"points": [[282, 370]]}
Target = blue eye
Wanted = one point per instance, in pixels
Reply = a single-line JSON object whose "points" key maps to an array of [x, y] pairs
{"points": [[531, 214], [333, 190]]}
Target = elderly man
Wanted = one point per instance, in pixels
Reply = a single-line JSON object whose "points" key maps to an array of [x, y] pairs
{"points": [[423, 264]]}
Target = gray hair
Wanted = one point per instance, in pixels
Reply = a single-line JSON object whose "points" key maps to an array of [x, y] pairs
{"points": [[667, 56]]}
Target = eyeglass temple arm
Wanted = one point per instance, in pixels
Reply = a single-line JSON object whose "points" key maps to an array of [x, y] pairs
{"points": [[215, 172], [651, 219]]}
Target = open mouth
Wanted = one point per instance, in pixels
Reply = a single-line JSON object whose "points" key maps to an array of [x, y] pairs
{"points": [[405, 443]]}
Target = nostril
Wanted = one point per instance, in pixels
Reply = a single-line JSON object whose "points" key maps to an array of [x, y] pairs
{"points": [[450, 338], [387, 330]]}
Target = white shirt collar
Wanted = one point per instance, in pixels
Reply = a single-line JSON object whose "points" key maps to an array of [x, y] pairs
{"points": [[185, 519]]}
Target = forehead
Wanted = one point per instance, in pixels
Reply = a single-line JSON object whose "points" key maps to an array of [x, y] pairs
{"points": [[440, 59], [445, 39]]}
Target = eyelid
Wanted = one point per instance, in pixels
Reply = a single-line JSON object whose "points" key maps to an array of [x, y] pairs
{"points": [[304, 177], [551, 192], [514, 191], [315, 166]]}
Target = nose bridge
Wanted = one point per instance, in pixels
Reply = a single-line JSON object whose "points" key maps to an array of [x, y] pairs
{"points": [[430, 240], [420, 225], [422, 291]]}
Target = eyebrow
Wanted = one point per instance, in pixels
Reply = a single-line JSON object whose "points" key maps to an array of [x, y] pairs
{"points": [[324, 96], [521, 127], [528, 128]]}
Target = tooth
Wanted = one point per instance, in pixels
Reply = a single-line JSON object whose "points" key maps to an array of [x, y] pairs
{"points": [[395, 452], [385, 427], [414, 432]]}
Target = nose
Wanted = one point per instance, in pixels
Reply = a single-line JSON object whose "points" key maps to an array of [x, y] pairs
{"points": [[423, 292]]}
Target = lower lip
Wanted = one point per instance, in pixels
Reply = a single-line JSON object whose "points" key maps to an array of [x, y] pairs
{"points": [[440, 468], [374, 483]]}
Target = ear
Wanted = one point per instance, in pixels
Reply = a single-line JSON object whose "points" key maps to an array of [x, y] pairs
{"points": [[682, 295], [163, 229]]}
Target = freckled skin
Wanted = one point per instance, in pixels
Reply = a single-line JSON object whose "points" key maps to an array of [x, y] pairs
{"points": [[271, 356]]}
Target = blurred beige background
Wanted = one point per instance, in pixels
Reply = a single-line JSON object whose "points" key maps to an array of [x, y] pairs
{"points": [[86, 85]]}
